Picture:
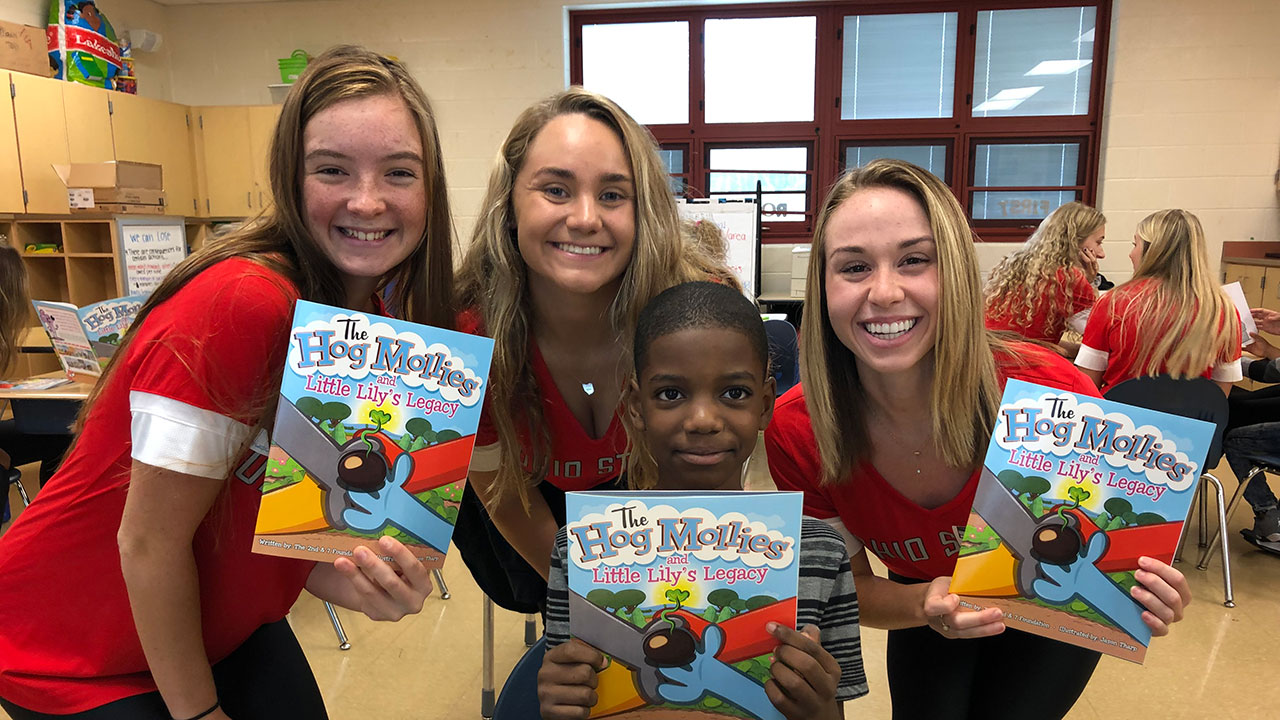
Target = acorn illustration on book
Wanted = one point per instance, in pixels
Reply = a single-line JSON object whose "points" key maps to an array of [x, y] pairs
{"points": [[363, 466], [668, 642]]}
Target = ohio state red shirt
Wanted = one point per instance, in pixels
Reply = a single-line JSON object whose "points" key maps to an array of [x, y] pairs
{"points": [[1074, 294], [69, 642], [1111, 338], [578, 461], [911, 540]]}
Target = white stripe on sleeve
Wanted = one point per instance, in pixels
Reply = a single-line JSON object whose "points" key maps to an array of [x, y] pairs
{"points": [[485, 458], [1078, 321], [173, 435], [1091, 359], [1229, 371]]}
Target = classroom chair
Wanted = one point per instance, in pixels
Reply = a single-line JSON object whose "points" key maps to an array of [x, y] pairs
{"points": [[15, 480], [1201, 399], [343, 643], [487, 704], [519, 697], [784, 353], [1231, 507]]}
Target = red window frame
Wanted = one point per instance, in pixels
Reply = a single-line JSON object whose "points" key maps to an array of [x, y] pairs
{"points": [[828, 134]]}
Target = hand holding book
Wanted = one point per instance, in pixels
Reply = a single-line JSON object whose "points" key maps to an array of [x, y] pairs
{"points": [[368, 584]]}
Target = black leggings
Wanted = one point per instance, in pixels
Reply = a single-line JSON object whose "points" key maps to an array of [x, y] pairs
{"points": [[1251, 407], [266, 678], [1010, 676]]}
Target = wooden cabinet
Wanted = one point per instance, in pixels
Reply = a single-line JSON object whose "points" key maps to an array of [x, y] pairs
{"points": [[146, 130], [262, 126], [87, 121], [10, 178], [1261, 285], [42, 140], [228, 162]]}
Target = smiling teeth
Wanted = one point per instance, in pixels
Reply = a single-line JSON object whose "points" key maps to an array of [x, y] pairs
{"points": [[366, 236], [889, 331], [580, 249]]}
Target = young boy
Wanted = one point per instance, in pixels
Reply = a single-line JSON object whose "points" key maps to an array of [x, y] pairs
{"points": [[701, 395]]}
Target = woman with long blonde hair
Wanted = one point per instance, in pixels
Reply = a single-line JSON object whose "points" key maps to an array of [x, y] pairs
{"points": [[128, 589], [1046, 286], [1170, 317], [885, 436], [577, 232]]}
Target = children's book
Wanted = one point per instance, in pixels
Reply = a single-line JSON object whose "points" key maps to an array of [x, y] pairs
{"points": [[1073, 491], [373, 435], [84, 339], [676, 589]]}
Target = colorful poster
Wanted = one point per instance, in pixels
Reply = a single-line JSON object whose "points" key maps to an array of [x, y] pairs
{"points": [[676, 588], [1074, 490], [373, 435]]}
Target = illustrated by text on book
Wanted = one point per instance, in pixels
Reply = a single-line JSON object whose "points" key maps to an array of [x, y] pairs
{"points": [[373, 435], [1073, 491], [84, 339], [676, 589]]}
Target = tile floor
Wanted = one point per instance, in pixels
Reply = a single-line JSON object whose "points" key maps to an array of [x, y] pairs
{"points": [[1215, 664]]}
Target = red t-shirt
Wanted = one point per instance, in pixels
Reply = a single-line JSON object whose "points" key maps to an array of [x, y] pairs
{"points": [[1075, 294], [1111, 338], [578, 461], [68, 641], [911, 540]]}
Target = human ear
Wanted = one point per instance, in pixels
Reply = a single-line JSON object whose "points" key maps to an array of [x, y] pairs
{"points": [[768, 396], [631, 401]]}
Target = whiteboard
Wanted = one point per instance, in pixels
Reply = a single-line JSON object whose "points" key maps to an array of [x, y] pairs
{"points": [[739, 221], [148, 251]]}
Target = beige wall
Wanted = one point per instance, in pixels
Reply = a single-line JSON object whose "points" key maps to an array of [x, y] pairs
{"points": [[1192, 116], [152, 68]]}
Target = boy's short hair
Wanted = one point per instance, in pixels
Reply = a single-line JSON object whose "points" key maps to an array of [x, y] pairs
{"points": [[699, 305]]}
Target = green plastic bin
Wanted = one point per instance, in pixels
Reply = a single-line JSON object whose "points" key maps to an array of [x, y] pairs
{"points": [[292, 66]]}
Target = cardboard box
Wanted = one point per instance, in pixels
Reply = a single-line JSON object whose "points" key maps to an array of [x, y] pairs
{"points": [[114, 187], [23, 48]]}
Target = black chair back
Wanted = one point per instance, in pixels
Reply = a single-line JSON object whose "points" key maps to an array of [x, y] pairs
{"points": [[1197, 398], [784, 353]]}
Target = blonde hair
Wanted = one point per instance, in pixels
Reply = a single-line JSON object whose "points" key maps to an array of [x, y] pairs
{"points": [[1038, 273], [1173, 286], [14, 303], [965, 392], [493, 278], [279, 240]]}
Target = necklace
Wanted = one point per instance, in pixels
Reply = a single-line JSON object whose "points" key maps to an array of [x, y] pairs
{"points": [[589, 388], [898, 442]]}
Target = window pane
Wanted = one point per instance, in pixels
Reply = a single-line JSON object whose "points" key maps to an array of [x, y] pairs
{"points": [[1039, 164], [785, 194], [760, 69], [1023, 205], [1033, 62], [655, 91], [930, 157], [673, 161], [898, 66]]}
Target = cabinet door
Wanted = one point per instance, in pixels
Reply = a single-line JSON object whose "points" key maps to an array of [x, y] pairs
{"points": [[88, 120], [10, 178], [262, 125], [1270, 290], [42, 140], [227, 163], [1250, 278], [152, 131]]}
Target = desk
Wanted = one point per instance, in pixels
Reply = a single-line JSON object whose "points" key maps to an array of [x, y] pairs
{"points": [[792, 307], [46, 412]]}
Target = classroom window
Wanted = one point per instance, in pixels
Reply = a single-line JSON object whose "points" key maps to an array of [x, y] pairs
{"points": [[782, 174], [1001, 101], [898, 66]]}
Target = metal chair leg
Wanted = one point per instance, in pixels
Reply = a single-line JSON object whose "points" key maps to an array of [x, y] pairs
{"points": [[439, 578], [530, 630], [487, 697], [1231, 508], [1203, 496], [22, 490], [343, 644], [1228, 595]]}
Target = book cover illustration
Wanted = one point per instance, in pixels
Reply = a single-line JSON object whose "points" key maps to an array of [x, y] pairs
{"points": [[373, 435], [84, 339], [676, 589], [1073, 490]]}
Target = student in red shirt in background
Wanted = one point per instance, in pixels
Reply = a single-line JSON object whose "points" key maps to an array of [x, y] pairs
{"points": [[1047, 286], [577, 232], [128, 589], [1170, 317], [885, 437]]}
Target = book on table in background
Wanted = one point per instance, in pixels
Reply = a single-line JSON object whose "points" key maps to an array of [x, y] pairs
{"points": [[85, 338], [373, 435], [677, 588], [1074, 489]]}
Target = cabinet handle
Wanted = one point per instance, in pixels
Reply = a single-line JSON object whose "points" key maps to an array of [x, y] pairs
{"points": [[260, 205], [248, 198]]}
